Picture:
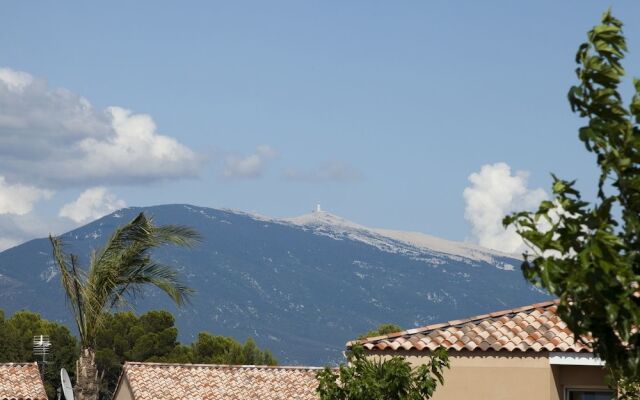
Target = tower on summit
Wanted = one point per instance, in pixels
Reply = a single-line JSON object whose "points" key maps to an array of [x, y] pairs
{"points": [[318, 209]]}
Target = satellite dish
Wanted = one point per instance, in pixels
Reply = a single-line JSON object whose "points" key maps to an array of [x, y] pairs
{"points": [[67, 388]]}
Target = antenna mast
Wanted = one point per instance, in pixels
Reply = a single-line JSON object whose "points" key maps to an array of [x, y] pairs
{"points": [[41, 346]]}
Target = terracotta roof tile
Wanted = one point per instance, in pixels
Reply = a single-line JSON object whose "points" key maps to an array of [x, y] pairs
{"points": [[419, 345], [509, 346], [154, 381], [530, 328], [21, 381]]}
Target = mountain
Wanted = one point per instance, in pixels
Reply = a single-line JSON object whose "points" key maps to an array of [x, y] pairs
{"points": [[301, 287]]}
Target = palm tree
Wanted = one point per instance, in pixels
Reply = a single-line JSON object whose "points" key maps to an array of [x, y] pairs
{"points": [[117, 274]]}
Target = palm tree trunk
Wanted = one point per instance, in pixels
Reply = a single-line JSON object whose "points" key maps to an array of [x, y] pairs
{"points": [[86, 376]]}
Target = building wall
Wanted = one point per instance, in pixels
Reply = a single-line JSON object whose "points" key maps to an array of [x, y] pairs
{"points": [[577, 376], [123, 391], [506, 376]]}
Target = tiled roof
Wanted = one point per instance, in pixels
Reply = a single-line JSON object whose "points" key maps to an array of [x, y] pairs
{"points": [[153, 381], [531, 328], [21, 381]]}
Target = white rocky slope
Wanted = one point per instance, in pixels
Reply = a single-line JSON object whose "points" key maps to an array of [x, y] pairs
{"points": [[415, 244]]}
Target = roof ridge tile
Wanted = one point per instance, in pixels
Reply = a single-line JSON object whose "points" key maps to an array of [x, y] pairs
{"points": [[220, 366]]}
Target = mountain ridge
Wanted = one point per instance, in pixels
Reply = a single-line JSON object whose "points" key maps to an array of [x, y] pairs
{"points": [[411, 238], [301, 286]]}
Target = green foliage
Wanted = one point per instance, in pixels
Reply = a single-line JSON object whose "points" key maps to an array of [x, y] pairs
{"points": [[589, 254], [123, 337], [211, 349], [373, 378], [153, 337], [16, 344], [382, 329]]}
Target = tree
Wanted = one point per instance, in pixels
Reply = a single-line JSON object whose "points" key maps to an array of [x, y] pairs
{"points": [[16, 345], [153, 337], [116, 273], [212, 349], [588, 254], [382, 329], [367, 378], [122, 337], [125, 337]]}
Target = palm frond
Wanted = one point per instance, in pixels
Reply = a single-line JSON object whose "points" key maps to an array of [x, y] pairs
{"points": [[124, 266], [177, 235], [72, 283], [141, 235], [135, 231], [162, 276]]}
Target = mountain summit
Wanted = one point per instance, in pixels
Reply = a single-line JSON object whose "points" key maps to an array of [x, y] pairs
{"points": [[301, 286], [323, 222]]}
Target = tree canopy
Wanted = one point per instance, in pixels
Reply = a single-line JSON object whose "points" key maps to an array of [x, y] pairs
{"points": [[382, 329], [588, 253], [16, 344], [376, 378], [151, 337]]}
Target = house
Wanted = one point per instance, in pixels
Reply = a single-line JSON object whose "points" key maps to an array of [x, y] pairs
{"points": [[21, 381], [155, 381], [523, 353]]}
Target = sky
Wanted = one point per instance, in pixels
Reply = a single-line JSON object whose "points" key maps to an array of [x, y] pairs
{"points": [[431, 116]]}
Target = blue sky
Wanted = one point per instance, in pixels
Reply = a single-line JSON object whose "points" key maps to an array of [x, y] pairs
{"points": [[379, 110]]}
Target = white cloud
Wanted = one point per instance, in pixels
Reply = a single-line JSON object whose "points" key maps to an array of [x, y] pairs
{"points": [[493, 193], [55, 138], [92, 204], [52, 138], [18, 199], [333, 171], [7, 243], [250, 166], [16, 229], [15, 80]]}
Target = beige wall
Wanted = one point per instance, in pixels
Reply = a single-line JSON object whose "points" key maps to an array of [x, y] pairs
{"points": [[123, 391], [506, 376], [577, 376]]}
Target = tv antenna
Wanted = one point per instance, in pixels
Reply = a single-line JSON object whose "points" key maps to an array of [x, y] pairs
{"points": [[41, 347], [67, 388]]}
